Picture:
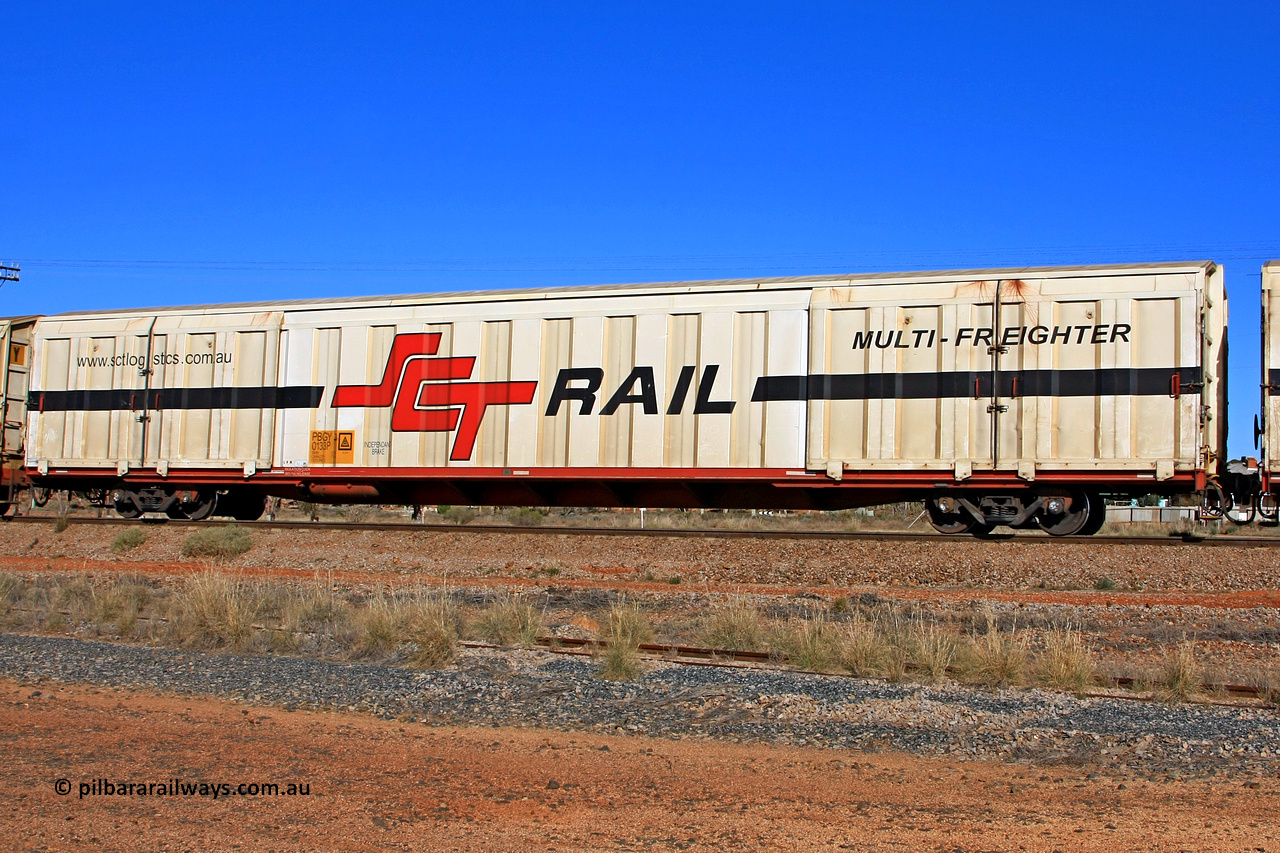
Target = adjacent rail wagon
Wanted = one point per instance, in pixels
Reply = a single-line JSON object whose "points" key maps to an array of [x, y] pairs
{"points": [[1268, 501], [1013, 397]]}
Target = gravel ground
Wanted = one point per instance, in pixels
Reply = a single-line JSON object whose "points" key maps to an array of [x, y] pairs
{"points": [[543, 690], [936, 562]]}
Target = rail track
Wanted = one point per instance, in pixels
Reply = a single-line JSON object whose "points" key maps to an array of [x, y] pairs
{"points": [[1227, 694], [1209, 541]]}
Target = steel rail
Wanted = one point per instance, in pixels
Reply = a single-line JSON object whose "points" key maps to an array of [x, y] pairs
{"points": [[727, 657], [697, 656], [684, 533]]}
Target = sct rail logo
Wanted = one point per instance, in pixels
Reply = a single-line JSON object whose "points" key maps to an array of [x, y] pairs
{"points": [[425, 396]]}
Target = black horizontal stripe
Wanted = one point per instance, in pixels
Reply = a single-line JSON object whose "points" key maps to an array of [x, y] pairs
{"points": [[116, 399], [1119, 381]]}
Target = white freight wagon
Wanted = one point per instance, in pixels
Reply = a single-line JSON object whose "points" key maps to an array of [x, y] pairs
{"points": [[999, 396]]}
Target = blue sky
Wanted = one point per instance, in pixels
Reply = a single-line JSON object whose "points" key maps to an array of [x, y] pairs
{"points": [[158, 155]]}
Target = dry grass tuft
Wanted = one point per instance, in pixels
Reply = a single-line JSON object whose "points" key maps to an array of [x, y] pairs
{"points": [[11, 589], [993, 659], [509, 621], [813, 644], [119, 604], [431, 625], [865, 651], [218, 543], [931, 651], [378, 626], [618, 655], [735, 625], [1180, 676], [217, 612], [1266, 678], [1066, 663], [627, 624]]}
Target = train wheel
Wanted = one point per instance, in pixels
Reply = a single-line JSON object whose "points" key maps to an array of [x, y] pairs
{"points": [[202, 507], [1071, 519], [1268, 504], [1243, 513], [948, 519], [1097, 515], [124, 507]]}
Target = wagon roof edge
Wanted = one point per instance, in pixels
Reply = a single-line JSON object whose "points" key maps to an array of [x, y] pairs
{"points": [[644, 288]]}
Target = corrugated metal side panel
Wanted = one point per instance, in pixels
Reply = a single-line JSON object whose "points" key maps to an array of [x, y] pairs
{"points": [[136, 361], [675, 376], [557, 355], [680, 445], [898, 337], [784, 420], [377, 453], [750, 360], [619, 361], [95, 355], [495, 366], [584, 429]]}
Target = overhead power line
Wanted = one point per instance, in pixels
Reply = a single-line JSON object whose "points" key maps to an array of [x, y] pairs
{"points": [[832, 261]]}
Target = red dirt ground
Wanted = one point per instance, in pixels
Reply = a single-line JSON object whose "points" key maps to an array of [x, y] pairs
{"points": [[378, 785], [1240, 599]]}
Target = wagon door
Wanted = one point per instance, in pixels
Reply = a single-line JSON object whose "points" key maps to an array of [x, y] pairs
{"points": [[113, 419], [1100, 373], [214, 391], [896, 380]]}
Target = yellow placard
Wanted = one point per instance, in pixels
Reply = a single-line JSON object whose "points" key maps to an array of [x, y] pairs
{"points": [[333, 447]]}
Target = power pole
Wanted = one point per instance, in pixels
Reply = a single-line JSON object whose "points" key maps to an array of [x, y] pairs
{"points": [[9, 272]]}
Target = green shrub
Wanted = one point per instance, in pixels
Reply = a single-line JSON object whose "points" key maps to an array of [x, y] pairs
{"points": [[460, 514], [219, 543], [1104, 583], [128, 539], [525, 516]]}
